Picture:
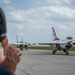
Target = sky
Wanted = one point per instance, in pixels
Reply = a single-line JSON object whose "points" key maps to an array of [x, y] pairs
{"points": [[33, 19]]}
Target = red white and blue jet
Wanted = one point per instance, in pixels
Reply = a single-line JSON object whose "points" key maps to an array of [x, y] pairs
{"points": [[58, 44]]}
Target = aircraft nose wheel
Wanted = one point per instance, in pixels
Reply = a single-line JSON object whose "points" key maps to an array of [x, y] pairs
{"points": [[67, 53], [53, 52]]}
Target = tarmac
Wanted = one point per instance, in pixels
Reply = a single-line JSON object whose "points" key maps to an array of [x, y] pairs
{"points": [[43, 62]]}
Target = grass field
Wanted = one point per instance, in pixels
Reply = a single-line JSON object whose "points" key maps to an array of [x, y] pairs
{"points": [[46, 48]]}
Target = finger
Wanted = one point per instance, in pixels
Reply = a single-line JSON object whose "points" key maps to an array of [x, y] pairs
{"points": [[12, 51], [19, 54], [16, 51], [18, 60], [19, 57], [9, 51]]}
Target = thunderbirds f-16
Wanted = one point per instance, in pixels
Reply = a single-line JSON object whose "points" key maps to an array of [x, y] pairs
{"points": [[58, 44], [20, 44]]}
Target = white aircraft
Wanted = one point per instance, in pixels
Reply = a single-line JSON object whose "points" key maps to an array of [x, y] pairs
{"points": [[18, 44], [58, 44]]}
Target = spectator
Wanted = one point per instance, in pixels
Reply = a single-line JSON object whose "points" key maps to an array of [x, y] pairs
{"points": [[11, 57]]}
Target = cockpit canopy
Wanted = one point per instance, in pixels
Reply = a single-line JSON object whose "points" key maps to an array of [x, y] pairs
{"points": [[69, 37]]}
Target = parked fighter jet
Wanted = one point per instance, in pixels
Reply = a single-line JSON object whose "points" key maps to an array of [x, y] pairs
{"points": [[58, 44], [18, 44]]}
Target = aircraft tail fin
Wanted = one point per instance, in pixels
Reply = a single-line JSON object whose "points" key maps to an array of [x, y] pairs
{"points": [[22, 40], [17, 39], [54, 34]]}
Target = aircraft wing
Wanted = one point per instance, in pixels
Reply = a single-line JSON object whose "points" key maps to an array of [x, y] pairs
{"points": [[52, 43], [14, 43]]}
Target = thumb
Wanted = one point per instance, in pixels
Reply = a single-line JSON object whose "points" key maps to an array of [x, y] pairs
{"points": [[5, 44]]}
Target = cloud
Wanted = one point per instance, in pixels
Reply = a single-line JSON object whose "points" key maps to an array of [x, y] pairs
{"points": [[6, 2], [45, 13], [17, 15], [67, 3], [10, 8], [37, 21], [58, 2]]}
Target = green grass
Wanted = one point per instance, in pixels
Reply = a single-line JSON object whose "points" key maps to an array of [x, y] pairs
{"points": [[40, 47], [72, 49], [46, 48]]}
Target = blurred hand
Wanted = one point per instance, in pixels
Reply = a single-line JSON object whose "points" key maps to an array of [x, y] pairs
{"points": [[11, 58]]}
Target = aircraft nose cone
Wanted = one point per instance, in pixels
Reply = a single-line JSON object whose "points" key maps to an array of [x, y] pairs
{"points": [[73, 43]]}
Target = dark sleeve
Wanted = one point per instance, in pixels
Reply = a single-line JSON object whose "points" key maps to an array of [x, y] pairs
{"points": [[2, 25], [4, 71]]}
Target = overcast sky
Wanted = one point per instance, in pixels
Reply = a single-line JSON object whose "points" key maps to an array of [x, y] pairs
{"points": [[33, 19]]}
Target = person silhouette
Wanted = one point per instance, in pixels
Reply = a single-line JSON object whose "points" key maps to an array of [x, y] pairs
{"points": [[12, 56]]}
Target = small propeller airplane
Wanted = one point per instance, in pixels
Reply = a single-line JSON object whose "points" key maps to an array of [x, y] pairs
{"points": [[58, 44]]}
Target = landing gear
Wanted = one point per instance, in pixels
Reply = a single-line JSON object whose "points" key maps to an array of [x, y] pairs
{"points": [[21, 48], [66, 51], [56, 47], [53, 52], [26, 47]]}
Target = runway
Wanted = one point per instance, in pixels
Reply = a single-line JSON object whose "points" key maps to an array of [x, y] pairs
{"points": [[43, 62]]}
